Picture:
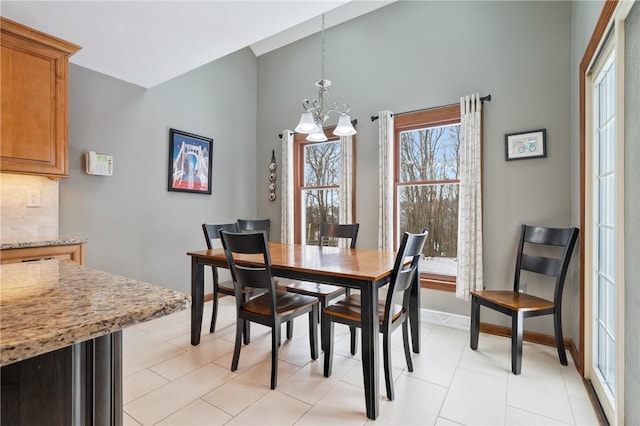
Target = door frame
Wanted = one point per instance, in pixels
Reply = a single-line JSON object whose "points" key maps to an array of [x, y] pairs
{"points": [[611, 18]]}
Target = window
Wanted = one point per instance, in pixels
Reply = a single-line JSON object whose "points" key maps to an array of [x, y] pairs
{"points": [[318, 178], [426, 178]]}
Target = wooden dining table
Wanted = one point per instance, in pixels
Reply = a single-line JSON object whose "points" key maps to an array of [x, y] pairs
{"points": [[364, 270]]}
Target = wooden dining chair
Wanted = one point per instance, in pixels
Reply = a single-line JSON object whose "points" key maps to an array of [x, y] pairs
{"points": [[271, 308], [520, 305], [211, 234], [390, 314], [329, 232]]}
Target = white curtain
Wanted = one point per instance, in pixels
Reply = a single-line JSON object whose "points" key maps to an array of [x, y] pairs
{"points": [[286, 227], [385, 173], [470, 199], [346, 183]]}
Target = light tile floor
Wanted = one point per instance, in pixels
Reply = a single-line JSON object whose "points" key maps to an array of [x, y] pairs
{"points": [[169, 382]]}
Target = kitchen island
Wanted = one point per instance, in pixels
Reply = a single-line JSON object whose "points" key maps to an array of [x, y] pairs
{"points": [[61, 339]]}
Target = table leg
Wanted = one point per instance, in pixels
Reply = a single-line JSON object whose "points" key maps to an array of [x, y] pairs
{"points": [[414, 313], [197, 299], [370, 352]]}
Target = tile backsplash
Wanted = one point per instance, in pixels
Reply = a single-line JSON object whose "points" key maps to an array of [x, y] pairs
{"points": [[19, 221]]}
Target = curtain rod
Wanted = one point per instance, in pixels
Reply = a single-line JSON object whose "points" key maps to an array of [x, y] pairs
{"points": [[482, 100], [353, 122]]}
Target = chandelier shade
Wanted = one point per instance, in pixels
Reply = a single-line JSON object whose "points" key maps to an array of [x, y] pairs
{"points": [[344, 127], [307, 124], [317, 136], [316, 111]]}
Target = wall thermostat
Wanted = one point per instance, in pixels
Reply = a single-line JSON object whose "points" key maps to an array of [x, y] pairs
{"points": [[99, 164]]}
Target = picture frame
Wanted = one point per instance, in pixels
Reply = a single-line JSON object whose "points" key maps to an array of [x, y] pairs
{"points": [[524, 145], [190, 159]]}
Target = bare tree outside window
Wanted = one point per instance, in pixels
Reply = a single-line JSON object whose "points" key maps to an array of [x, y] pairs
{"points": [[320, 188], [427, 192]]}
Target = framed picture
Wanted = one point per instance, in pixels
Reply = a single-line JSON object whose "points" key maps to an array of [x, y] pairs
{"points": [[522, 145], [189, 162]]}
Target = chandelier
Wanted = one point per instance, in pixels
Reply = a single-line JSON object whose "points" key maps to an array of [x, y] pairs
{"points": [[315, 114]]}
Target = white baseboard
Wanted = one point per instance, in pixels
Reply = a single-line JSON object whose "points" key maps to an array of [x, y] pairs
{"points": [[461, 322]]}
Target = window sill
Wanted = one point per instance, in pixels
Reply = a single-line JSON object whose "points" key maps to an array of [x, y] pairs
{"points": [[438, 282]]}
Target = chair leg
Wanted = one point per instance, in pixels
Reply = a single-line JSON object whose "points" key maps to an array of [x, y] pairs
{"points": [[289, 329], [247, 330], [407, 348], [386, 354], [354, 339], [214, 312], [517, 320], [275, 343], [557, 324], [236, 350], [475, 322], [327, 344], [313, 332]]}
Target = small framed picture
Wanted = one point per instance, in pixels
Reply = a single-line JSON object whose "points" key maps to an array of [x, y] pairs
{"points": [[523, 145], [189, 162]]}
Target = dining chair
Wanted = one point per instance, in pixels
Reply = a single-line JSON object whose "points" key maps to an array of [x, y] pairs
{"points": [[390, 314], [519, 304], [250, 225], [211, 234], [271, 308], [329, 233]]}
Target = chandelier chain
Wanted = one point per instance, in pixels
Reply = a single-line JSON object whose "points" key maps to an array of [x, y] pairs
{"points": [[323, 51]]}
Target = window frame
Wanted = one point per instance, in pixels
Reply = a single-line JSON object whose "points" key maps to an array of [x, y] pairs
{"points": [[299, 142], [432, 117]]}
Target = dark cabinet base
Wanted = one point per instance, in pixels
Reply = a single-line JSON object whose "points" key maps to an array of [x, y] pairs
{"points": [[79, 384], [37, 391]]}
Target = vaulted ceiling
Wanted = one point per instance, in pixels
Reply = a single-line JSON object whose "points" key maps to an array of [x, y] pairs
{"points": [[149, 42]]}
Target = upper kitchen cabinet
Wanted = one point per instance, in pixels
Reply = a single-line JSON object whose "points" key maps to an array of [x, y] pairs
{"points": [[34, 101]]}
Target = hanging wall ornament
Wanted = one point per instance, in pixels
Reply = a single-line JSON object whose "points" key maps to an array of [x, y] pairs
{"points": [[272, 177]]}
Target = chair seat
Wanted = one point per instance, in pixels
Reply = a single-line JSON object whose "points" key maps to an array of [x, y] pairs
{"points": [[286, 303], [315, 289], [514, 301], [227, 288], [349, 308]]}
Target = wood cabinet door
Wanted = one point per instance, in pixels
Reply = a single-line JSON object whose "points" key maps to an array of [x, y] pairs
{"points": [[34, 101]]}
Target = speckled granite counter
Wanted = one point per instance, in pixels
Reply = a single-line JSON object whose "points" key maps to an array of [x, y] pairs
{"points": [[47, 305], [58, 240]]}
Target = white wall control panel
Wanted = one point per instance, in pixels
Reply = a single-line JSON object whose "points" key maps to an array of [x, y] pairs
{"points": [[99, 164]]}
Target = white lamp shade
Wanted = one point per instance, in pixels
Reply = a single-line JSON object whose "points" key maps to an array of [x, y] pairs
{"points": [[318, 136], [344, 127], [307, 124]]}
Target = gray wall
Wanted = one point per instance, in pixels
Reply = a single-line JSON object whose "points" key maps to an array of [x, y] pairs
{"points": [[134, 225], [413, 55], [631, 217]]}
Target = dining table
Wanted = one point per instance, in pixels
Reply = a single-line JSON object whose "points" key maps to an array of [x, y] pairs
{"points": [[362, 269]]}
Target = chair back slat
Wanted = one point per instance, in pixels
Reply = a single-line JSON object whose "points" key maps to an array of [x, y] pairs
{"points": [[211, 231], [541, 265], [547, 236], [245, 274], [333, 230], [403, 273], [252, 225]]}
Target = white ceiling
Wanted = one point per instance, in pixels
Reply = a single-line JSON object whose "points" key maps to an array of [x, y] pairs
{"points": [[149, 42]]}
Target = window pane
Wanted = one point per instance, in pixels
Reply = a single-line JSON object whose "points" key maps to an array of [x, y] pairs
{"points": [[430, 154], [320, 205], [322, 164], [435, 208]]}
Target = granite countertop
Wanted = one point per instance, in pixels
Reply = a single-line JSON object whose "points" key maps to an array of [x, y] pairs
{"points": [[56, 240], [50, 304]]}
